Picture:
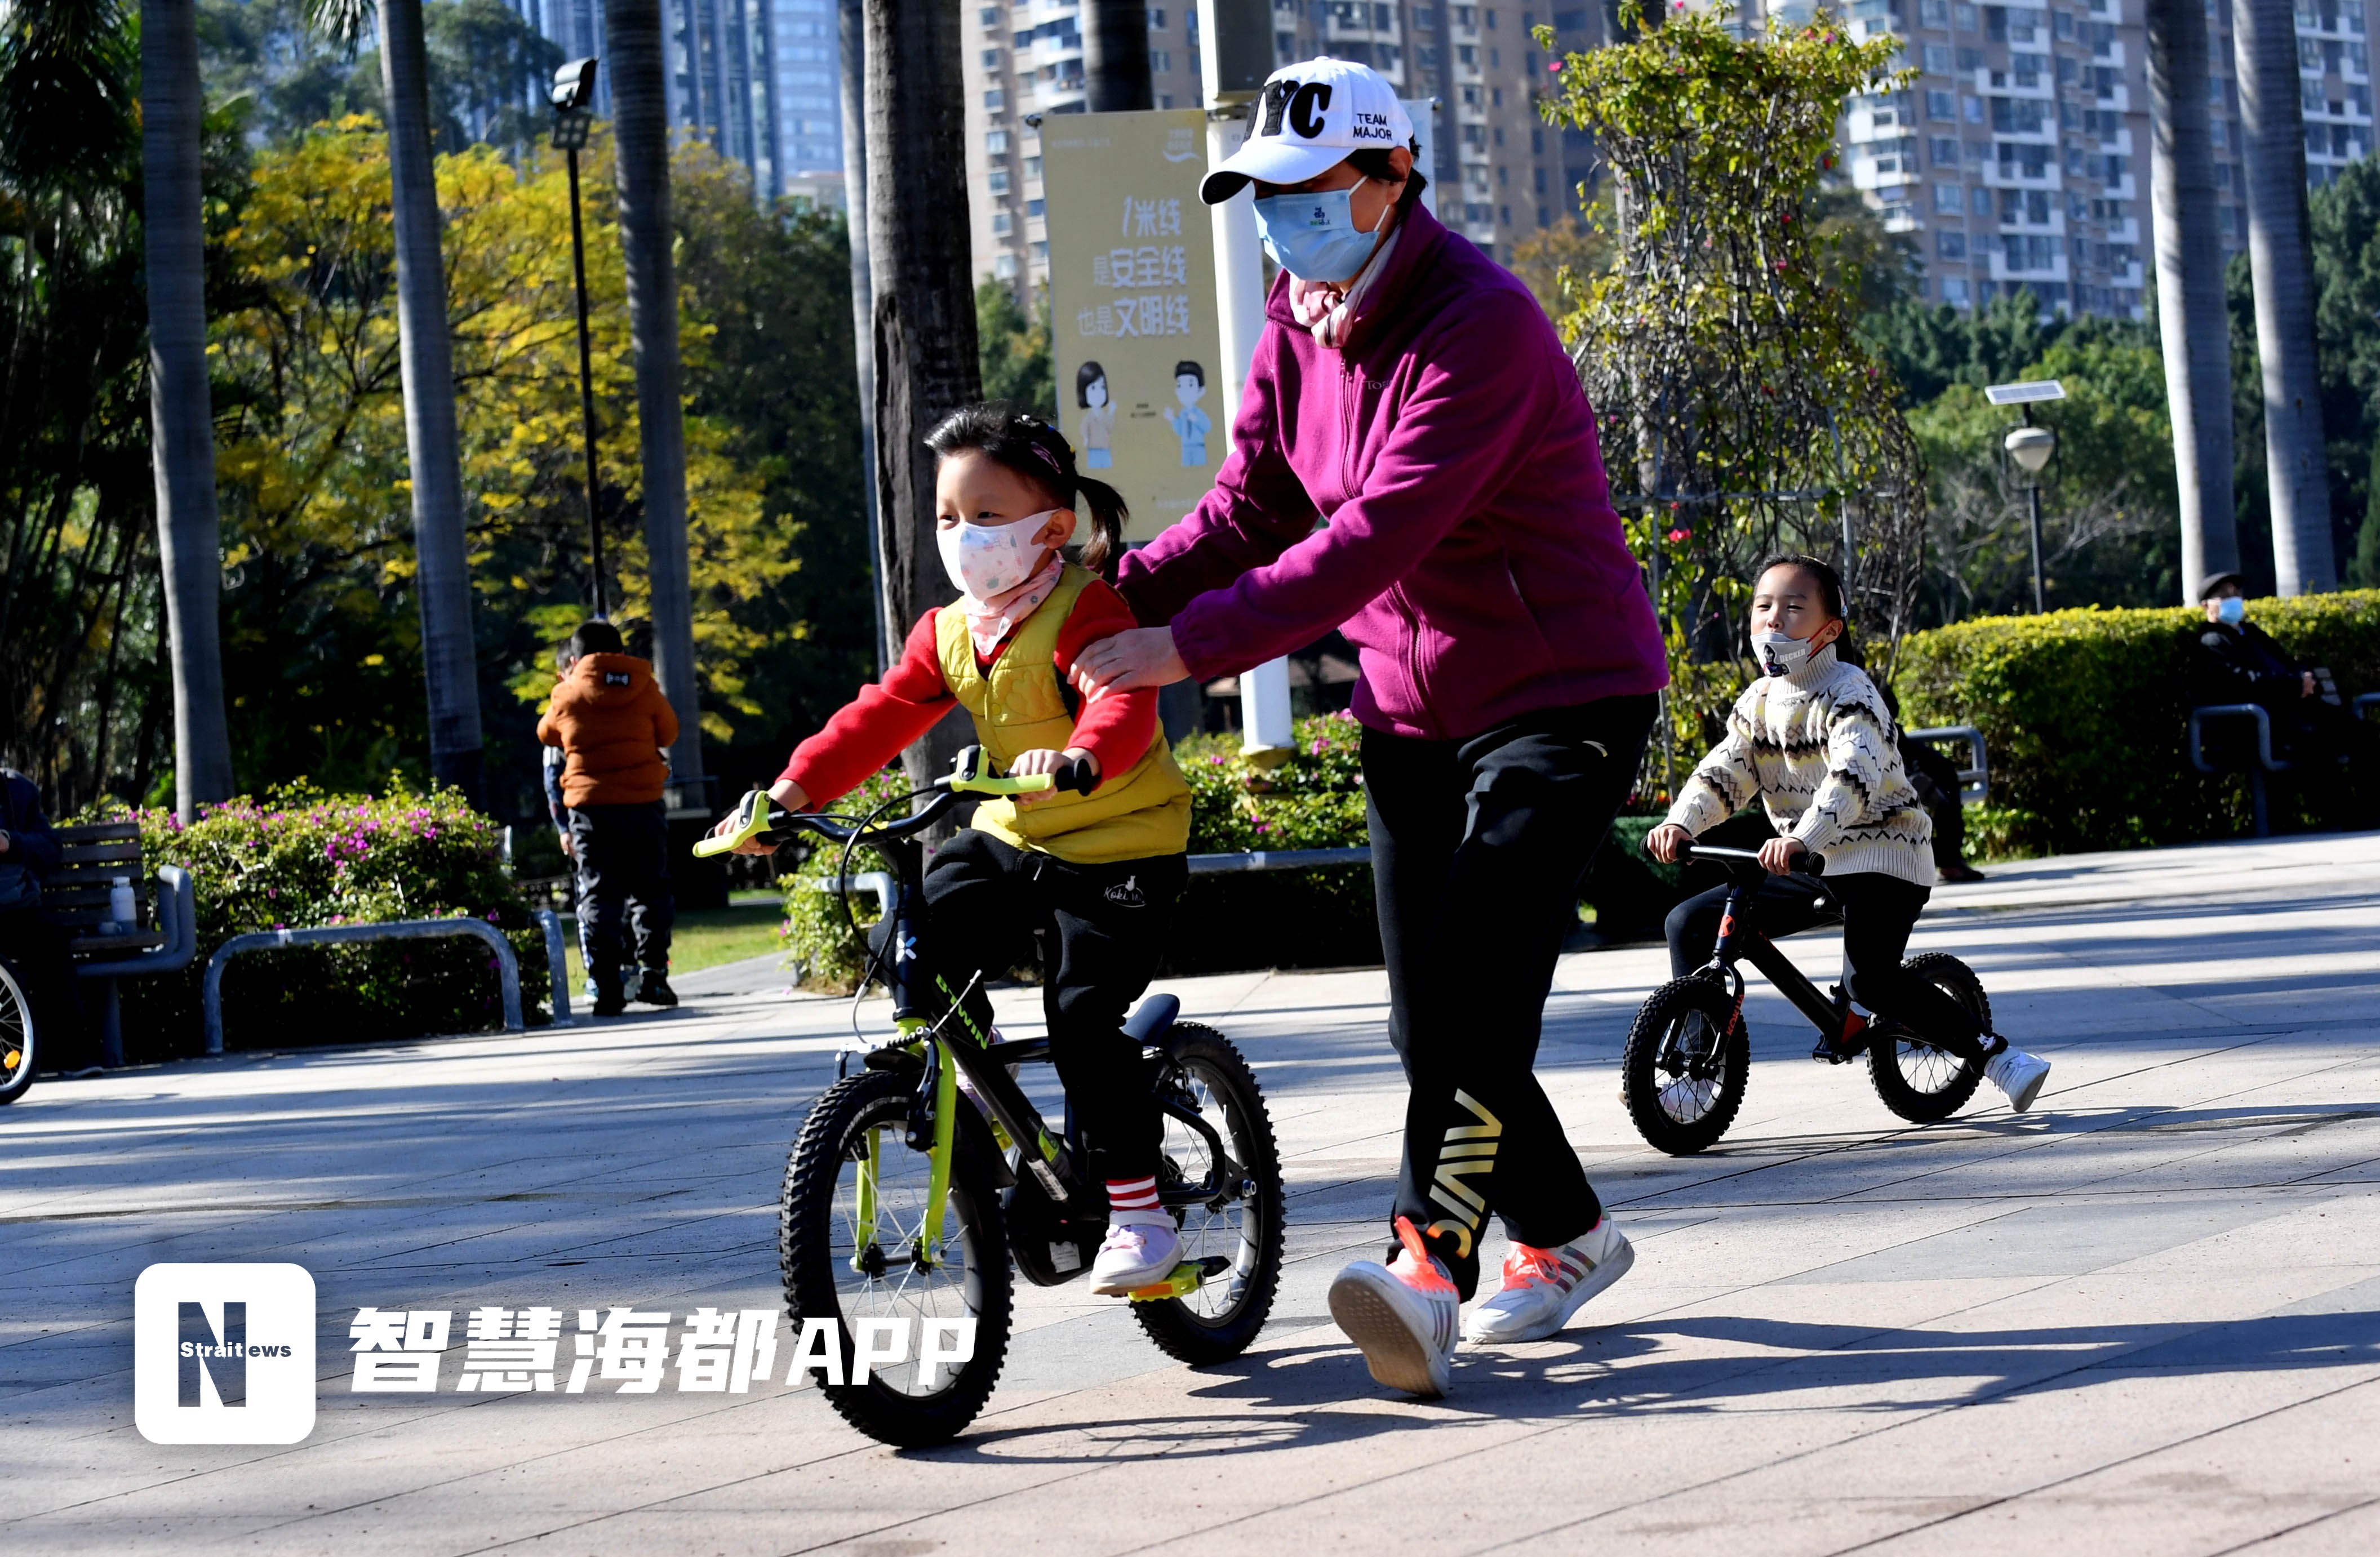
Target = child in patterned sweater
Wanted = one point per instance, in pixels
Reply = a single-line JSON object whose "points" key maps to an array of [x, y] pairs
{"points": [[1812, 740]]}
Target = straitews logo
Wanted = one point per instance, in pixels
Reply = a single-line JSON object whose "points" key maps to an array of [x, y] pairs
{"points": [[223, 1354]]}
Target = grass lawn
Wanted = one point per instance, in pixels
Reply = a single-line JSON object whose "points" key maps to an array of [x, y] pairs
{"points": [[704, 937]]}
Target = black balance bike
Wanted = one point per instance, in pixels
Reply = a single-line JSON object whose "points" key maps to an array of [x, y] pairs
{"points": [[907, 1195], [1688, 1057]]}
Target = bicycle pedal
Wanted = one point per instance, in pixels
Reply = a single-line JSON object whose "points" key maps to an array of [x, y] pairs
{"points": [[1824, 1051], [1187, 1277]]}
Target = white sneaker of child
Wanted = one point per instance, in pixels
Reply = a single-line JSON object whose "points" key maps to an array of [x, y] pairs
{"points": [[2018, 1074], [1142, 1249]]}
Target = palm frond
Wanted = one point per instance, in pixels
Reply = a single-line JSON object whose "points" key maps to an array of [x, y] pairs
{"points": [[346, 22]]}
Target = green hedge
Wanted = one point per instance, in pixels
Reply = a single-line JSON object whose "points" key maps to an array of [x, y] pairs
{"points": [[301, 858], [2086, 715]]}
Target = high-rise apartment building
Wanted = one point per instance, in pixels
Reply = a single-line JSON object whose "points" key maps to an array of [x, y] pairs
{"points": [[2018, 156], [809, 97], [723, 79], [1501, 173]]}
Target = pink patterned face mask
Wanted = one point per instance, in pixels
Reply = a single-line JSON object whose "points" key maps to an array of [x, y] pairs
{"points": [[988, 564]]}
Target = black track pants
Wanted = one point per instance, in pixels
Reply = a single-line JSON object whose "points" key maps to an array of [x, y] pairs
{"points": [[1478, 848], [985, 901], [1875, 911], [623, 876]]}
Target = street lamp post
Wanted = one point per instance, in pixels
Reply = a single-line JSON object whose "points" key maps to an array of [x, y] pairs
{"points": [[2030, 447], [574, 88]]}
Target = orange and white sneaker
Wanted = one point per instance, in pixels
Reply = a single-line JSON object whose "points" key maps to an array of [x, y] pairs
{"points": [[1403, 1315], [1544, 1286]]}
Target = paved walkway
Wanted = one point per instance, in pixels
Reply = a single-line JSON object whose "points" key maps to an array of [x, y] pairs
{"points": [[2146, 1318]]}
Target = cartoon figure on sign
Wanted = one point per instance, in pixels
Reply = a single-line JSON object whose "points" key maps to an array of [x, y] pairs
{"points": [[1190, 424], [1099, 417]]}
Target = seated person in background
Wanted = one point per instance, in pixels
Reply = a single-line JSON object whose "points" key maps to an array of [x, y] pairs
{"points": [[2239, 662], [1935, 779], [29, 856]]}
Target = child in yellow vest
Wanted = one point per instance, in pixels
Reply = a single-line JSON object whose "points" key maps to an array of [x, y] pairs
{"points": [[1101, 870]]}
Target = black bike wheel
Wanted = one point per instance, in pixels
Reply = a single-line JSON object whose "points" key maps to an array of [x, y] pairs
{"points": [[837, 1267], [1915, 1079], [1682, 1081], [1246, 1220], [18, 1036]]}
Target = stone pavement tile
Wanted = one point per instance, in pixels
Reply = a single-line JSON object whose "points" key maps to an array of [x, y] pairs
{"points": [[2354, 1531]]}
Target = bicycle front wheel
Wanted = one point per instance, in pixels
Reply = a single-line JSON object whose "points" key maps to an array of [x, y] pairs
{"points": [[1683, 1071], [17, 1034], [1243, 1222], [851, 1234], [1915, 1079]]}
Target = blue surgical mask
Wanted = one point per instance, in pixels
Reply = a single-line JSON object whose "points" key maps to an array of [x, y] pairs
{"points": [[2232, 610], [1314, 237]]}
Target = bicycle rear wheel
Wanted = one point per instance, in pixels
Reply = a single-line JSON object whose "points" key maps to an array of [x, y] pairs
{"points": [[1682, 1079], [1915, 1079], [17, 1034], [852, 1262], [1244, 1223]]}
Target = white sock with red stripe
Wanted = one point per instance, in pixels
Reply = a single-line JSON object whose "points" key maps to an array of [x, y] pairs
{"points": [[1137, 1196]]}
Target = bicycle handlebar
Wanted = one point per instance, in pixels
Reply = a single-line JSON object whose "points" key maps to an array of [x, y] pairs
{"points": [[1811, 861], [758, 817]]}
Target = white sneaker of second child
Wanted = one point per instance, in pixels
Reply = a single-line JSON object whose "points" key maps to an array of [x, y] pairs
{"points": [[1544, 1286], [1401, 1315], [2018, 1074], [1142, 1249]]}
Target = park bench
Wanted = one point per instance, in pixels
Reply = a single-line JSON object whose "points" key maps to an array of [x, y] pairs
{"points": [[2259, 762], [77, 897]]}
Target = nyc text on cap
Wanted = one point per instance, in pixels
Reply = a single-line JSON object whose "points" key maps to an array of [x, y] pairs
{"points": [[1306, 121]]}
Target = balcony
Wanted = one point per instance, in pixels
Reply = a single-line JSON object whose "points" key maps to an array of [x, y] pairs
{"points": [[1997, 174], [2002, 272]]}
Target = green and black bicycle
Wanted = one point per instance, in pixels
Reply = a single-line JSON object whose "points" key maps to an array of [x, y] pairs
{"points": [[916, 1181]]}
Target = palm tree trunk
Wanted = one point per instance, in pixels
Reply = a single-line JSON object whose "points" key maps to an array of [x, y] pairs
{"points": [[2280, 258], [434, 453], [632, 33], [851, 35], [1115, 55], [2191, 314], [181, 416], [919, 272]]}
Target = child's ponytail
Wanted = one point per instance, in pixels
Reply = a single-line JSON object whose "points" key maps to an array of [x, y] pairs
{"points": [[1029, 447]]}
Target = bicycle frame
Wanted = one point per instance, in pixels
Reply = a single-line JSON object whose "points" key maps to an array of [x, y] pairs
{"points": [[1739, 939], [953, 1046]]}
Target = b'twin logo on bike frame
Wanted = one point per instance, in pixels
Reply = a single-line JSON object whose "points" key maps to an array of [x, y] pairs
{"points": [[223, 1354]]}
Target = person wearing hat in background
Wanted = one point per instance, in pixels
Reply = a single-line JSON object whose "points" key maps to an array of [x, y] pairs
{"points": [[612, 723], [1408, 393], [2239, 662]]}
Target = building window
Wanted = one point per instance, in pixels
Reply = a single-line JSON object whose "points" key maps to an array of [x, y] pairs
{"points": [[1041, 251], [1963, 17], [996, 182], [1941, 105], [1003, 224], [1504, 212], [1004, 266], [1161, 60], [996, 142], [1970, 59], [1032, 167], [1937, 58], [1954, 291], [989, 17], [1036, 208], [995, 102], [1974, 107], [1156, 18], [1949, 198], [991, 59], [1979, 200], [1946, 151], [1934, 13]]}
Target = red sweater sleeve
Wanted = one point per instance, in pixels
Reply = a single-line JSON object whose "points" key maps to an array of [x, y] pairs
{"points": [[871, 729], [1117, 727]]}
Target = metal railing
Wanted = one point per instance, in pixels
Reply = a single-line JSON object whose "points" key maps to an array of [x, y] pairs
{"points": [[507, 965], [1975, 779]]}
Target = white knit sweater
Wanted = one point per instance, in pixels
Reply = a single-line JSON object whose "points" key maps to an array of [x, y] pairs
{"points": [[1818, 748]]}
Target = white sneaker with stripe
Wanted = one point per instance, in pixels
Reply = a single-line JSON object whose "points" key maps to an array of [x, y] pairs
{"points": [[1402, 1316], [1544, 1286]]}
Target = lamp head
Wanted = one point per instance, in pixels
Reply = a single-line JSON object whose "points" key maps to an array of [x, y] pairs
{"points": [[2031, 447], [574, 86]]}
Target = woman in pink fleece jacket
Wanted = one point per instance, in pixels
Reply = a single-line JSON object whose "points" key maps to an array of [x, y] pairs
{"points": [[1412, 462]]}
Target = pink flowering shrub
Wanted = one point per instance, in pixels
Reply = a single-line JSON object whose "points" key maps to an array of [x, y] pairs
{"points": [[301, 858]]}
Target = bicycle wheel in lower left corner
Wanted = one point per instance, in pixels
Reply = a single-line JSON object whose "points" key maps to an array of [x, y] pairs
{"points": [[851, 1236], [17, 1034]]}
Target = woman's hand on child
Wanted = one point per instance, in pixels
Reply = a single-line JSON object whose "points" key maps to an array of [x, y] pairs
{"points": [[1779, 854], [1665, 841], [1137, 656], [1044, 760]]}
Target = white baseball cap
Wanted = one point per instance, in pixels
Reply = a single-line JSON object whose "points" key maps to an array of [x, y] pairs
{"points": [[1308, 119]]}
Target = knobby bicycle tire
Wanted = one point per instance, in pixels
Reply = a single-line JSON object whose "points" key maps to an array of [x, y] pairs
{"points": [[1176, 1324], [975, 1237], [1953, 1081], [19, 1033], [1647, 1066]]}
